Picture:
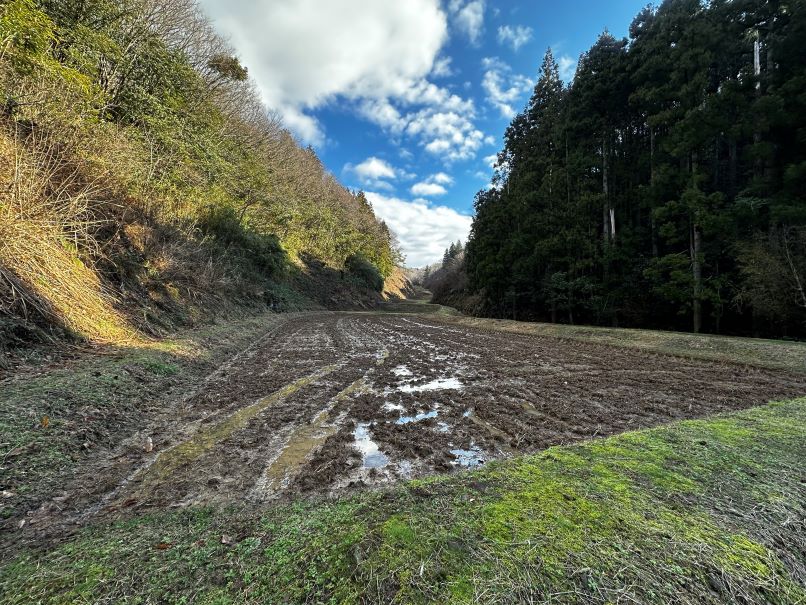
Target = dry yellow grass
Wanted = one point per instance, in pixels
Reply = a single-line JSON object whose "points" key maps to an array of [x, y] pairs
{"points": [[46, 213], [397, 285]]}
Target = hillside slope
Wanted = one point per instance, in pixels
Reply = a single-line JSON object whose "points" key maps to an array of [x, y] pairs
{"points": [[144, 186]]}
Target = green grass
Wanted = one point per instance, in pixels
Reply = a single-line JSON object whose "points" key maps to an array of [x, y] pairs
{"points": [[705, 511]]}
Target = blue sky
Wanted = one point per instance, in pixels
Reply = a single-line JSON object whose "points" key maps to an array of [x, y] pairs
{"points": [[409, 99]]}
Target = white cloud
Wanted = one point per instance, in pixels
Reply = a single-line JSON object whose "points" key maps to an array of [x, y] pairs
{"points": [[374, 168], [468, 17], [567, 66], [424, 230], [303, 53], [428, 189], [490, 160], [433, 185], [514, 36], [448, 134], [304, 126], [503, 87], [443, 125], [442, 68], [374, 173]]}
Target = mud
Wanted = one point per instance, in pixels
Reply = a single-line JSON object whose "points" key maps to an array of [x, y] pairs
{"points": [[338, 401]]}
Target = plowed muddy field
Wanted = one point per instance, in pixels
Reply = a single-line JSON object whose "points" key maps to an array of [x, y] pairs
{"points": [[328, 402]]}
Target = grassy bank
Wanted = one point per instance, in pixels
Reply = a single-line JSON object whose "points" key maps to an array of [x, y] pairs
{"points": [[706, 511]]}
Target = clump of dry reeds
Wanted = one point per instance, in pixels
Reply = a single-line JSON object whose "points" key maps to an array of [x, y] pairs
{"points": [[47, 215]]}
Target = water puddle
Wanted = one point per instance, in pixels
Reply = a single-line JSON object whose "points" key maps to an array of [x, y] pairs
{"points": [[393, 407], [469, 458], [402, 371], [417, 417], [372, 456], [440, 384], [405, 469], [443, 427]]}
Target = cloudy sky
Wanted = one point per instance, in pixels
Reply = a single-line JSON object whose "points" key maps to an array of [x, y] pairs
{"points": [[409, 99]]}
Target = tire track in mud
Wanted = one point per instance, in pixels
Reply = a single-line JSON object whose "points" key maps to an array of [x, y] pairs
{"points": [[301, 444], [162, 471], [234, 453]]}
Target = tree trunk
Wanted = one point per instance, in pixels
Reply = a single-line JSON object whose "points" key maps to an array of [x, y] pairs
{"points": [[732, 170], [696, 269], [567, 175], [612, 224], [757, 163], [605, 202], [652, 229]]}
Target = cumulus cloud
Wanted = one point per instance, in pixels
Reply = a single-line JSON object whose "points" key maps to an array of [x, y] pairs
{"points": [[303, 53], [490, 160], [468, 17], [374, 168], [376, 55], [374, 172], [567, 66], [433, 185], [442, 68], [514, 36], [424, 230], [503, 87], [443, 124], [428, 189]]}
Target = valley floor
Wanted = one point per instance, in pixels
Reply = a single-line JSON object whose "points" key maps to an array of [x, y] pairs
{"points": [[314, 457]]}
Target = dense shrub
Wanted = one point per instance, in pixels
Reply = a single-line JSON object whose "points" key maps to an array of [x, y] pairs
{"points": [[264, 251], [365, 271]]}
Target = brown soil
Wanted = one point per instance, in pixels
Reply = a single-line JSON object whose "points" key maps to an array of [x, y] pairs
{"points": [[287, 418]]}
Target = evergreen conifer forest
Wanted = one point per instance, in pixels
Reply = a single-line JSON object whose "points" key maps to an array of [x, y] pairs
{"points": [[664, 187]]}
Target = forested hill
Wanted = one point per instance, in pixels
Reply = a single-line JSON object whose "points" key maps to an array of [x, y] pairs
{"points": [[143, 183], [665, 186]]}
